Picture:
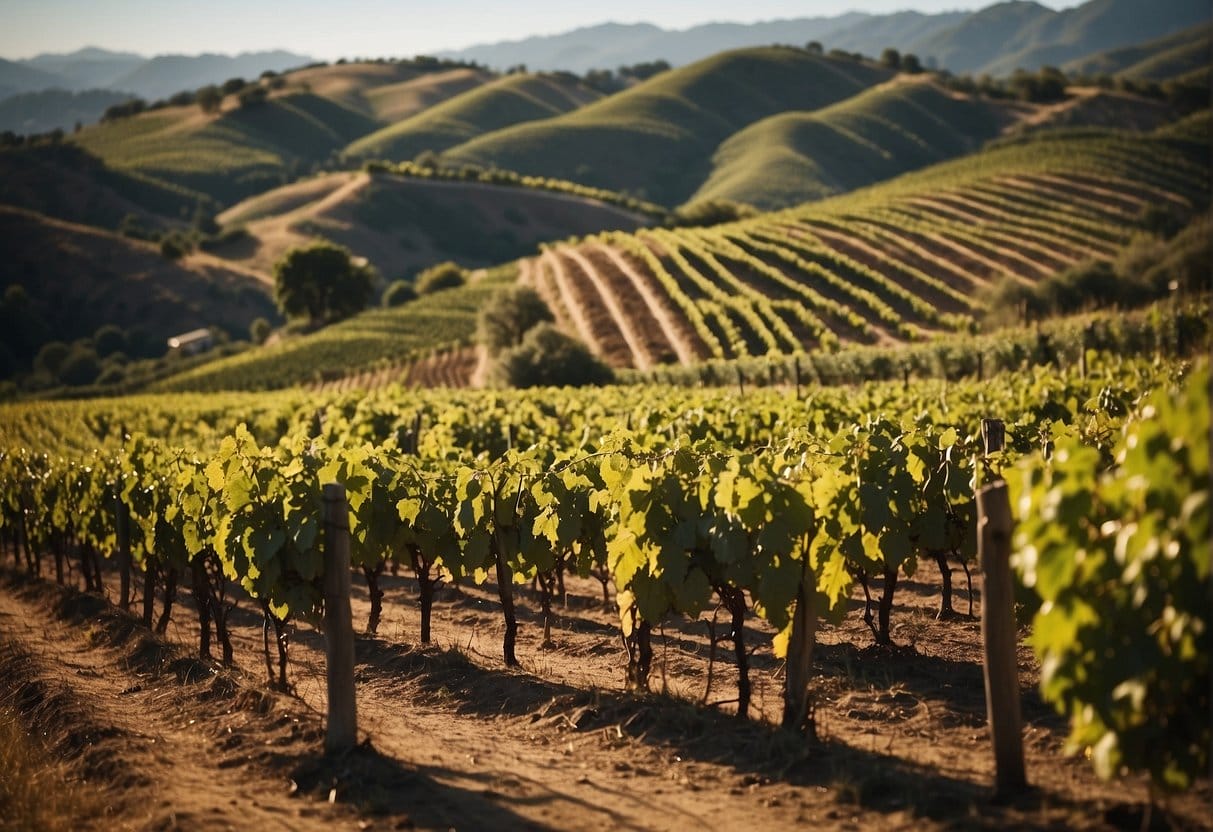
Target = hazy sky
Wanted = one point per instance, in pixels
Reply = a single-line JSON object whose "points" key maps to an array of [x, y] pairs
{"points": [[331, 29]]}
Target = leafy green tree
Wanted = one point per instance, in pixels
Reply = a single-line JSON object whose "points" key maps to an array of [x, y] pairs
{"points": [[109, 339], [890, 58], [549, 358], [509, 315], [398, 293], [51, 357], [209, 98], [322, 282], [445, 275], [259, 330], [80, 367], [910, 64]]}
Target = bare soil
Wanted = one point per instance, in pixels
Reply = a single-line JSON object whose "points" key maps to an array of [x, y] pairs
{"points": [[455, 740]]}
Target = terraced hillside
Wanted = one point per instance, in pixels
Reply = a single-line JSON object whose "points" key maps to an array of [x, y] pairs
{"points": [[888, 264], [902, 125], [397, 344], [656, 139], [500, 103], [402, 224]]}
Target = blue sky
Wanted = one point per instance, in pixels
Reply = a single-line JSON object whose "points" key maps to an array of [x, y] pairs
{"points": [[331, 29]]}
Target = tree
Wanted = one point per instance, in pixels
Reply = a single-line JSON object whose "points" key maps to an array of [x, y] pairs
{"points": [[910, 64], [80, 367], [322, 282], [446, 275], [890, 58], [507, 317], [549, 358], [814, 47], [398, 293], [109, 339], [259, 330], [209, 98]]}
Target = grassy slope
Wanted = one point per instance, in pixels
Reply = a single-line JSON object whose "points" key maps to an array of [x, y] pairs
{"points": [[888, 130], [79, 278], [656, 139], [66, 182], [376, 336], [501, 103], [403, 224], [1155, 60], [395, 102], [230, 155], [385, 92]]}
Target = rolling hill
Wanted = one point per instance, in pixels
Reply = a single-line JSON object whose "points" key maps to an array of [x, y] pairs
{"points": [[77, 278], [500, 103], [31, 113], [403, 224], [66, 182], [996, 39], [899, 126], [1026, 35], [230, 155], [1157, 60], [369, 343], [888, 264], [656, 139]]}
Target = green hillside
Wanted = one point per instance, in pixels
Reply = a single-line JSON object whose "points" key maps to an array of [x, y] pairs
{"points": [[73, 279], [897, 262], [395, 102], [241, 151], [404, 223], [1156, 60], [656, 139], [65, 181], [497, 104], [1007, 36], [888, 130], [378, 336]]}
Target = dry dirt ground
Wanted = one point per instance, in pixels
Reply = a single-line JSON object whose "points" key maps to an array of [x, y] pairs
{"points": [[455, 740]]}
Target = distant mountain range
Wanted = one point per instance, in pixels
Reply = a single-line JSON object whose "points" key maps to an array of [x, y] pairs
{"points": [[58, 91], [995, 40], [149, 78]]}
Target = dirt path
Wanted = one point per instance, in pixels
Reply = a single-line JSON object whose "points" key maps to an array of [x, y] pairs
{"points": [[160, 736], [461, 742], [680, 336]]}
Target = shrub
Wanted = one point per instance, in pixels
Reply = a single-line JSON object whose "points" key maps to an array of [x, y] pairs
{"points": [[549, 358], [50, 357], [710, 212], [109, 339], [398, 293], [81, 367], [259, 330], [446, 275], [508, 316]]}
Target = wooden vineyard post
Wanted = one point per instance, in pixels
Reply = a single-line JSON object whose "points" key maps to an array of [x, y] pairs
{"points": [[122, 529], [342, 728], [998, 631], [797, 704]]}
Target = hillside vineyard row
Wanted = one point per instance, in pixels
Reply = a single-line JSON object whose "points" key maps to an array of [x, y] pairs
{"points": [[773, 506]]}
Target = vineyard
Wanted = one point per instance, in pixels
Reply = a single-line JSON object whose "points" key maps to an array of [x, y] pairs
{"points": [[772, 510], [897, 263]]}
